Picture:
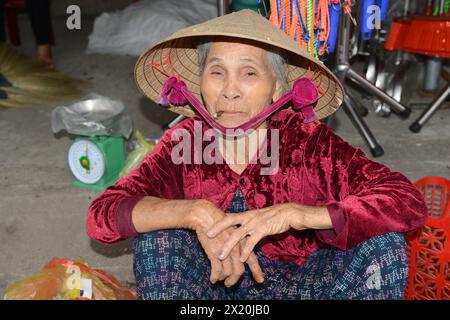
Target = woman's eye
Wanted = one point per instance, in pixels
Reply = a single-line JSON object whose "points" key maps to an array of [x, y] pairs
{"points": [[216, 72], [251, 73]]}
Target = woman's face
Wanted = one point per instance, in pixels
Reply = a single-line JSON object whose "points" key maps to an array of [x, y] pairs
{"points": [[238, 80]]}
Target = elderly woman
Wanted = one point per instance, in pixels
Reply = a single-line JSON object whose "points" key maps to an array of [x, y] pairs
{"points": [[315, 219]]}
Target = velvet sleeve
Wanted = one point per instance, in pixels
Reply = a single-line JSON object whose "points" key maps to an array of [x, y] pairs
{"points": [[109, 214], [364, 198]]}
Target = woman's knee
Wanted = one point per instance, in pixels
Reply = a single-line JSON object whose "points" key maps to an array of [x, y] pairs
{"points": [[164, 250], [173, 240], [385, 257], [166, 264], [388, 245], [376, 268]]}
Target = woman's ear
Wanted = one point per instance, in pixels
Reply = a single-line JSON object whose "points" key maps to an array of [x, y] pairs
{"points": [[278, 91]]}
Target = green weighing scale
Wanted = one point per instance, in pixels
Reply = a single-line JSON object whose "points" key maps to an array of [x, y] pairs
{"points": [[101, 125], [96, 161]]}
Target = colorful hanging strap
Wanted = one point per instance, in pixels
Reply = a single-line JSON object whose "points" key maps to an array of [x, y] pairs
{"points": [[308, 22]]}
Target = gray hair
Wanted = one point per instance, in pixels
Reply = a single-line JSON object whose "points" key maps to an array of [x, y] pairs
{"points": [[274, 55]]}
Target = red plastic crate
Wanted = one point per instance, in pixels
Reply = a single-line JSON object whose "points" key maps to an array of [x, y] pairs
{"points": [[429, 249]]}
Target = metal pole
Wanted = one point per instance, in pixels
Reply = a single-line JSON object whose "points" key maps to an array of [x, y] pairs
{"points": [[369, 87], [441, 7], [417, 125], [433, 66], [406, 8], [344, 40], [350, 109], [349, 105], [222, 7]]}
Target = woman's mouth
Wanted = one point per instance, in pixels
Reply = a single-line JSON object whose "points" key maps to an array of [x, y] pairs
{"points": [[231, 113]]}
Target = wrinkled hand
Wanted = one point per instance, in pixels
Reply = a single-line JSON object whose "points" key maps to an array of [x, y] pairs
{"points": [[230, 268], [254, 225]]}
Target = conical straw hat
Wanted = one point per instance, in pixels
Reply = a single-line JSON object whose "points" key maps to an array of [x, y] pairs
{"points": [[178, 55]]}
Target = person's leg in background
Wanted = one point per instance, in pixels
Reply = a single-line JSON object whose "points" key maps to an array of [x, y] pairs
{"points": [[39, 13]]}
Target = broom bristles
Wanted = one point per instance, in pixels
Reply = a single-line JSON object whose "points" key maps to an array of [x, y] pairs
{"points": [[33, 83], [17, 97]]}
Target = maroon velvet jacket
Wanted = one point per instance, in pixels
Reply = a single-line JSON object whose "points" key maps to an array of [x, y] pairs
{"points": [[316, 168]]}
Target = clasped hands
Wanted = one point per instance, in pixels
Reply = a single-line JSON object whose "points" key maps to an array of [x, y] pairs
{"points": [[229, 239]]}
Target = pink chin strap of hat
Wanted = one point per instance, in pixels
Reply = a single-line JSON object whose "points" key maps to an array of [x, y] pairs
{"points": [[303, 95]]}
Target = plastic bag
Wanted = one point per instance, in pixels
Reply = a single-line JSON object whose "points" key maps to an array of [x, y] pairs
{"points": [[138, 154], [63, 279], [94, 115], [127, 31]]}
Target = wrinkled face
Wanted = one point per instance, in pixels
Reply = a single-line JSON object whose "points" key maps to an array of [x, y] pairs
{"points": [[238, 79]]}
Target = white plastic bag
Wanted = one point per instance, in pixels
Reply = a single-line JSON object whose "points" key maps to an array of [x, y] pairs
{"points": [[142, 24]]}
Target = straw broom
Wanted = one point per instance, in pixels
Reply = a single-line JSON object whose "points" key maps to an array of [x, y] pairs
{"points": [[26, 82]]}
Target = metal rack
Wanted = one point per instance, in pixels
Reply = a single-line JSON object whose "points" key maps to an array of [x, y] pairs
{"points": [[343, 71]]}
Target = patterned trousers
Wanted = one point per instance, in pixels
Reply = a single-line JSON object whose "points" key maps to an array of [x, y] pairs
{"points": [[171, 264]]}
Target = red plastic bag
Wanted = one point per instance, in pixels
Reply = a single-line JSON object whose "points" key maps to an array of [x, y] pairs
{"points": [[64, 279]]}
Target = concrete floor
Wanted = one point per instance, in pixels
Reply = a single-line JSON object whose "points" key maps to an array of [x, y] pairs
{"points": [[42, 216]]}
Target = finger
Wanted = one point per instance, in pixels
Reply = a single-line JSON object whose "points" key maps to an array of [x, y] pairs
{"points": [[227, 269], [235, 236], [255, 268], [249, 245], [223, 224], [216, 270], [238, 267]]}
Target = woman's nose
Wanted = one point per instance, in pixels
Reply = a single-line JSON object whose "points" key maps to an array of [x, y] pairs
{"points": [[231, 90]]}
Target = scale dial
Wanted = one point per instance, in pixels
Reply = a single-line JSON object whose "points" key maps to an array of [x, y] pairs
{"points": [[86, 161]]}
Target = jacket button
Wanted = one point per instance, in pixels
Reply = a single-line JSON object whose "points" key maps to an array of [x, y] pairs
{"points": [[242, 181]]}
